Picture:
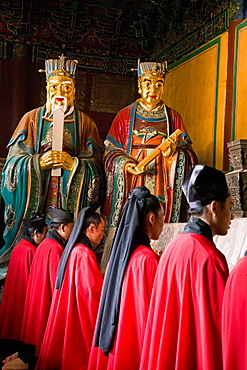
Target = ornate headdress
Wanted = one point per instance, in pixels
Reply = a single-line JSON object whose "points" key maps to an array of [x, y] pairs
{"points": [[60, 67], [154, 68]]}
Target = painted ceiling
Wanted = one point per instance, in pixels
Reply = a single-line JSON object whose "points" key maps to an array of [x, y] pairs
{"points": [[114, 28]]}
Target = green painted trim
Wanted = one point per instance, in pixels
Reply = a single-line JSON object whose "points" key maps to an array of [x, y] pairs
{"points": [[195, 52], [206, 26], [217, 42], [216, 102], [235, 64], [88, 61]]}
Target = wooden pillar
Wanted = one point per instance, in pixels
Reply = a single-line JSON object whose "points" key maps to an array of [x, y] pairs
{"points": [[229, 91]]}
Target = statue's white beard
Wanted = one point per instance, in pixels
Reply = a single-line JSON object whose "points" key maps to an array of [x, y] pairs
{"points": [[56, 104]]}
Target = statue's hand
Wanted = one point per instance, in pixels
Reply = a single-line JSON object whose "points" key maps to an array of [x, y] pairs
{"points": [[133, 169], [56, 159], [171, 149]]}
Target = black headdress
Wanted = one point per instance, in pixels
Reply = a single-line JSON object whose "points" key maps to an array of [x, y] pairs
{"points": [[120, 254], [73, 239], [59, 215], [202, 185], [37, 221]]}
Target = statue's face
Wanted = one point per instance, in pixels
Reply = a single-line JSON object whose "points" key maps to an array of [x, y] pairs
{"points": [[151, 89], [60, 93]]}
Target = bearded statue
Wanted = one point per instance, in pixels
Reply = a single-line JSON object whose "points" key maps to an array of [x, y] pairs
{"points": [[54, 158]]}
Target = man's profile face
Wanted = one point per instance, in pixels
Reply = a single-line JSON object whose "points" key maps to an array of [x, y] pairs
{"points": [[151, 89], [60, 93], [157, 226], [224, 216], [99, 233]]}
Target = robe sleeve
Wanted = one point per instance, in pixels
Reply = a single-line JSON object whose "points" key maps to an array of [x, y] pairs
{"points": [[23, 140], [184, 322], [118, 135], [88, 284], [90, 144], [234, 317]]}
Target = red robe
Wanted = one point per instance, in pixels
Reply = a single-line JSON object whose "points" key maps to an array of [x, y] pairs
{"points": [[14, 295], [39, 291], [134, 304], [126, 143], [69, 332], [184, 322], [234, 337]]}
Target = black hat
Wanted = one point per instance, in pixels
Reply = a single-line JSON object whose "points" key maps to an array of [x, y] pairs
{"points": [[37, 221], [202, 185], [60, 215]]}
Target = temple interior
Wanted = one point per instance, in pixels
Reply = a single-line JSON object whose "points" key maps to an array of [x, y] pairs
{"points": [[204, 45], [202, 41]]}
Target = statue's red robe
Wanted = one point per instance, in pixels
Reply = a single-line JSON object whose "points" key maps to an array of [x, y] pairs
{"points": [[130, 139]]}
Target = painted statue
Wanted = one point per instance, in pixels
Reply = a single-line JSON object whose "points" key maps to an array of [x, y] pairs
{"points": [[136, 132], [37, 175]]}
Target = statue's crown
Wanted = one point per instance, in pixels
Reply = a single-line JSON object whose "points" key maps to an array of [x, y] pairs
{"points": [[153, 68], [60, 67]]}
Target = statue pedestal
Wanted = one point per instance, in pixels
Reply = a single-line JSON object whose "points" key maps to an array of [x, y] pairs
{"points": [[233, 245], [237, 179]]}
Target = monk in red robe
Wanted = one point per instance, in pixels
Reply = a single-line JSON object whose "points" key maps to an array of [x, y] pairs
{"points": [[234, 338], [184, 322], [69, 332], [42, 280], [15, 287], [128, 284]]}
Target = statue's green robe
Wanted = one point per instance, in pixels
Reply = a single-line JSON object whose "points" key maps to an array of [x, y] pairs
{"points": [[26, 188]]}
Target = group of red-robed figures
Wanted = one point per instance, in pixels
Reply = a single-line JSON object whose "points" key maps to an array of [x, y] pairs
{"points": [[151, 313], [146, 313]]}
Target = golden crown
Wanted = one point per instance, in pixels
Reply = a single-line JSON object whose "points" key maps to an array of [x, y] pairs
{"points": [[60, 67], [153, 68]]}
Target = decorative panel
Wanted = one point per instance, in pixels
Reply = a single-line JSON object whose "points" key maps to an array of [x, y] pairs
{"points": [[239, 122], [80, 84], [111, 93]]}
